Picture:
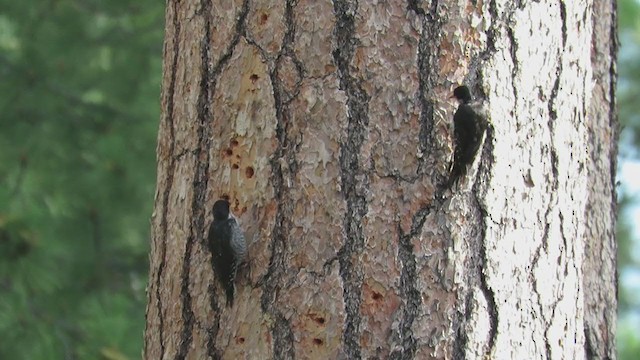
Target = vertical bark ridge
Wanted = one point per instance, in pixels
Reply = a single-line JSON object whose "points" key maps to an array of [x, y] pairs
{"points": [[200, 182], [534, 263], [487, 292], [354, 179], [477, 276], [411, 295], [205, 117], [600, 251], [405, 343], [479, 246], [280, 328], [492, 33], [284, 166], [614, 123], [556, 86], [514, 59], [210, 75], [162, 240], [214, 327], [427, 62], [553, 116], [475, 267]]}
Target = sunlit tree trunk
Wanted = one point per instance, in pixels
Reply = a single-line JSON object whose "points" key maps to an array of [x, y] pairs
{"points": [[328, 125]]}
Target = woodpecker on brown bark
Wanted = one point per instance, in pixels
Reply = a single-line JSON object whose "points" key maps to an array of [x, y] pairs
{"points": [[227, 245]]}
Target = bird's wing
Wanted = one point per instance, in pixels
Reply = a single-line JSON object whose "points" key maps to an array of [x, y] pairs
{"points": [[218, 237]]}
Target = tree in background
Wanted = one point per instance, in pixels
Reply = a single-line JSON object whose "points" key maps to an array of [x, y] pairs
{"points": [[628, 261], [79, 105], [328, 124]]}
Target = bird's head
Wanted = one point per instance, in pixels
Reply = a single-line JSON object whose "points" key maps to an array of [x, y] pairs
{"points": [[221, 210], [462, 93]]}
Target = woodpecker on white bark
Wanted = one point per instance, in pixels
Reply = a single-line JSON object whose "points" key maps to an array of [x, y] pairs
{"points": [[468, 127], [227, 245]]}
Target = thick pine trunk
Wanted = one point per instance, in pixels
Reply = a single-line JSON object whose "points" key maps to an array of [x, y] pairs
{"points": [[328, 125]]}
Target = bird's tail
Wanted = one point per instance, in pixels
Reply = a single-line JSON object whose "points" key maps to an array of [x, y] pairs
{"points": [[456, 173], [229, 291]]}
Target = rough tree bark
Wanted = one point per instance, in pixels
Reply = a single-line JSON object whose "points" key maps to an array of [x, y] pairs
{"points": [[328, 125]]}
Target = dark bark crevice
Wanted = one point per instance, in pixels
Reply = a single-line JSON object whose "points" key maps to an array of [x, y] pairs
{"points": [[353, 176], [556, 85], [213, 328], [237, 35], [403, 336], [428, 58], [589, 351], [476, 266], [287, 51], [405, 341], [478, 243], [563, 18], [513, 50], [272, 280], [534, 281], [161, 240], [200, 183], [489, 296], [284, 167], [205, 116]]}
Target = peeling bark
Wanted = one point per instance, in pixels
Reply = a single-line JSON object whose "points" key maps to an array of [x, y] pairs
{"points": [[328, 126]]}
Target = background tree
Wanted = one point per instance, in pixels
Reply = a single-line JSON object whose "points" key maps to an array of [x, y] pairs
{"points": [[79, 84], [327, 124], [629, 262]]}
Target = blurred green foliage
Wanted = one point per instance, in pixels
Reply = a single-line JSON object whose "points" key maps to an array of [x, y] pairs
{"points": [[628, 94], [629, 71], [80, 83]]}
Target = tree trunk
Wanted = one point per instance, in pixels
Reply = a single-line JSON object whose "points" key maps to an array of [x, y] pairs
{"points": [[328, 125]]}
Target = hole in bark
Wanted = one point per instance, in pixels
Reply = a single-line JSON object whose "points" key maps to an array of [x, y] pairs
{"points": [[228, 152], [376, 296], [235, 166], [254, 78], [240, 340], [263, 18], [317, 341], [318, 319], [249, 172], [233, 143]]}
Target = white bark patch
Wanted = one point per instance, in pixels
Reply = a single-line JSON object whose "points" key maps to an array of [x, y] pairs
{"points": [[534, 234]]}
